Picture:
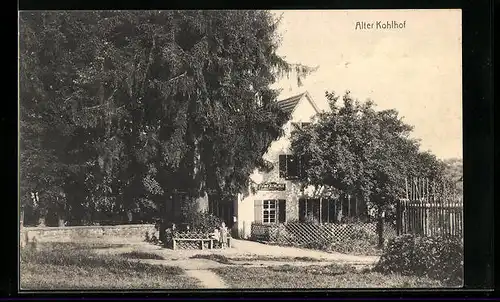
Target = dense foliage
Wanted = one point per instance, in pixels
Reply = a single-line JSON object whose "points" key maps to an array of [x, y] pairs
{"points": [[363, 152], [203, 222], [120, 110], [367, 154], [439, 258]]}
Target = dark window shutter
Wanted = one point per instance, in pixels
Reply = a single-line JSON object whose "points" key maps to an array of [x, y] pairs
{"points": [[282, 210], [282, 166], [257, 211], [302, 210], [303, 167], [292, 167], [325, 210], [331, 210], [299, 166]]}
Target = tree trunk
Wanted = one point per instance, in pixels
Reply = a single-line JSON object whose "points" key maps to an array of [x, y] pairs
{"points": [[165, 218]]}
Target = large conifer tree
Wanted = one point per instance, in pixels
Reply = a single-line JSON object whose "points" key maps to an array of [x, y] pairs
{"points": [[121, 109]]}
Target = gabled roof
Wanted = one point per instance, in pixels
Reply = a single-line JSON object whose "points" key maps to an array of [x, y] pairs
{"points": [[288, 105]]}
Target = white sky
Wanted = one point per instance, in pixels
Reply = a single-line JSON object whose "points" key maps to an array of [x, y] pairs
{"points": [[416, 70]]}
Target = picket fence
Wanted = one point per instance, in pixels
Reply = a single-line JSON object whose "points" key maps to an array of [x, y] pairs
{"points": [[442, 218], [431, 208]]}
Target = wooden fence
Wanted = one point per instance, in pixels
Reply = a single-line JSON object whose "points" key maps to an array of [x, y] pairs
{"points": [[443, 218]]}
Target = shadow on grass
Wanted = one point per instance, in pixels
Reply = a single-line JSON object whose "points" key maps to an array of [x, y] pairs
{"points": [[231, 260], [141, 255], [214, 257]]}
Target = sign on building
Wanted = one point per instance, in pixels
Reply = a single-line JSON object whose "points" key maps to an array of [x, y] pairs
{"points": [[271, 186]]}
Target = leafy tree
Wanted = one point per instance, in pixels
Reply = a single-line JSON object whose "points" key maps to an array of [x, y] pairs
{"points": [[362, 152], [453, 172]]}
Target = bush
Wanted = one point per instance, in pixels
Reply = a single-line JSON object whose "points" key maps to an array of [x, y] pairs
{"points": [[440, 258]]}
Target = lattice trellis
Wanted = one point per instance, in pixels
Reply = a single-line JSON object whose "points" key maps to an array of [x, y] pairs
{"points": [[305, 233], [191, 245], [191, 235]]}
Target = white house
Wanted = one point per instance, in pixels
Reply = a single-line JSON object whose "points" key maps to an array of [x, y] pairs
{"points": [[278, 196]]}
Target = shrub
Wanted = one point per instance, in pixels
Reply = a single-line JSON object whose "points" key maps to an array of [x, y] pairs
{"points": [[440, 258]]}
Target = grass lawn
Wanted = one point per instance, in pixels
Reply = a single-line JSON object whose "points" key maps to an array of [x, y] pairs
{"points": [[334, 276], [231, 260], [65, 266]]}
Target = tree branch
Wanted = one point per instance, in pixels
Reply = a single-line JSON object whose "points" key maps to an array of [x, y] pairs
{"points": [[176, 77]]}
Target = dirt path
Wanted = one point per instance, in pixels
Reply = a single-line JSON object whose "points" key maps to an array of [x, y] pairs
{"points": [[195, 268], [261, 249], [207, 278], [250, 249], [243, 253]]}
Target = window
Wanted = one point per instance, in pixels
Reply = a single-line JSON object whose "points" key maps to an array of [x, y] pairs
{"points": [[321, 210], [269, 211], [291, 167], [273, 211], [309, 208]]}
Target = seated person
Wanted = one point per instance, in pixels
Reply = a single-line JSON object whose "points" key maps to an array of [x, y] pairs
{"points": [[216, 237]]}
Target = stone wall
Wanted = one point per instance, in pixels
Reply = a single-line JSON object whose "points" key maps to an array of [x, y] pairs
{"points": [[86, 232]]}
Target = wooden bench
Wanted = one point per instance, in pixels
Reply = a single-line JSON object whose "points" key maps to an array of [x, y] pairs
{"points": [[210, 241]]}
